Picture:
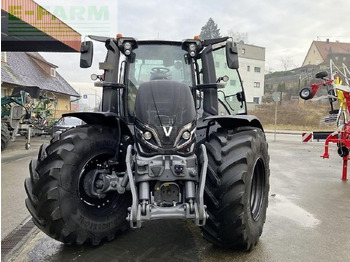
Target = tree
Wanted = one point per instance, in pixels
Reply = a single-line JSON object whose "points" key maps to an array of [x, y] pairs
{"points": [[238, 36], [281, 87], [287, 62], [269, 70], [210, 30]]}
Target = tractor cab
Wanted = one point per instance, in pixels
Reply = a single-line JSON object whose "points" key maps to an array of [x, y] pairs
{"points": [[205, 66]]}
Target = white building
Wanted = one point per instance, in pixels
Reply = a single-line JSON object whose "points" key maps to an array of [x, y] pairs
{"points": [[252, 71]]}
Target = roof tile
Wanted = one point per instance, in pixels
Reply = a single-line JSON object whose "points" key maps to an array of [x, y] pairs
{"points": [[327, 48], [20, 69]]}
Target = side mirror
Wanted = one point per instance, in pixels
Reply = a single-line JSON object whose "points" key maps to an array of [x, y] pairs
{"points": [[86, 54], [231, 55]]}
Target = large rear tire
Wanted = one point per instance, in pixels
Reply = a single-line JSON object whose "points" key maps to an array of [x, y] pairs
{"points": [[58, 187], [5, 136], [237, 186]]}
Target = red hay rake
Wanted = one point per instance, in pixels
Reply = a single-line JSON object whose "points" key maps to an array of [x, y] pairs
{"points": [[336, 92]]}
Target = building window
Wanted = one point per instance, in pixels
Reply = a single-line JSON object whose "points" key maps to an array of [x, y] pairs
{"points": [[53, 72], [4, 57], [243, 51], [257, 69], [257, 84], [256, 100], [248, 68], [233, 82]]}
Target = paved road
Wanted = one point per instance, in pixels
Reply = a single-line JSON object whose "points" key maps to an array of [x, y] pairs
{"points": [[308, 220], [14, 169]]}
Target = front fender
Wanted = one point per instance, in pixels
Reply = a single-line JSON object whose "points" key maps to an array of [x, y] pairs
{"points": [[230, 122], [102, 118]]}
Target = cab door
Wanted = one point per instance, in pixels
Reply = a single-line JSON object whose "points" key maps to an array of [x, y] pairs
{"points": [[231, 98]]}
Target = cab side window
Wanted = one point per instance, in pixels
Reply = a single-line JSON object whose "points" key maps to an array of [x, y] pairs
{"points": [[231, 98]]}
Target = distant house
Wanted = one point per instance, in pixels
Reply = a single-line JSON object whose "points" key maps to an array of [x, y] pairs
{"points": [[30, 69], [320, 52], [252, 71]]}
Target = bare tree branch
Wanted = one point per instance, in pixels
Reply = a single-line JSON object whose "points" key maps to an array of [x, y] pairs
{"points": [[238, 36], [287, 62]]}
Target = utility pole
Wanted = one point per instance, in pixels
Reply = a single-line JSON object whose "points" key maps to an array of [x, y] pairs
{"points": [[276, 98]]}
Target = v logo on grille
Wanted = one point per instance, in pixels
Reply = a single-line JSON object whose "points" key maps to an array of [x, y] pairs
{"points": [[167, 132]]}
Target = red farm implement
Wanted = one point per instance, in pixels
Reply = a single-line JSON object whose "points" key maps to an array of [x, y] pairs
{"points": [[337, 92]]}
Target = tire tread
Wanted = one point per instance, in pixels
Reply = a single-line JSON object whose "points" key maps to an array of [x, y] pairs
{"points": [[47, 190], [228, 153]]}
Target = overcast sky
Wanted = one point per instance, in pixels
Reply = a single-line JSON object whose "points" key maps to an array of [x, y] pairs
{"points": [[284, 28]]}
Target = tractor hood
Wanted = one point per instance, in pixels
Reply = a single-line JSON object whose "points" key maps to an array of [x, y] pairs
{"points": [[166, 110]]}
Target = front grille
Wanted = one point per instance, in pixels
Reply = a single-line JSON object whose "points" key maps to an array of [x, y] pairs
{"points": [[167, 141]]}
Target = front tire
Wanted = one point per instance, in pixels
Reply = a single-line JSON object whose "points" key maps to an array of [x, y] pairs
{"points": [[237, 186], [58, 188]]}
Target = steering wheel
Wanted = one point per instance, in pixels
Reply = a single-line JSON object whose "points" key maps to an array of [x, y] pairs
{"points": [[160, 70]]}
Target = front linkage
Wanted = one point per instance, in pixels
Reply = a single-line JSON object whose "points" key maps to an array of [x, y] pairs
{"points": [[167, 195]]}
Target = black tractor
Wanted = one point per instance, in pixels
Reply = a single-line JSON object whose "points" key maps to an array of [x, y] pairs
{"points": [[172, 141]]}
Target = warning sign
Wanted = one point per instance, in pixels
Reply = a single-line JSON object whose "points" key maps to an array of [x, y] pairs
{"points": [[306, 137]]}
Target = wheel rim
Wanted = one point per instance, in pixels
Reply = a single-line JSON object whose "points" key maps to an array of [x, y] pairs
{"points": [[89, 201], [305, 93], [257, 193]]}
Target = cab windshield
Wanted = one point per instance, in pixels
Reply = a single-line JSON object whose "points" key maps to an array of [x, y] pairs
{"points": [[156, 62]]}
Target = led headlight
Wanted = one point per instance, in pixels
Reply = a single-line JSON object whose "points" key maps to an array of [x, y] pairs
{"points": [[127, 45], [147, 135], [127, 48], [192, 50], [186, 135], [192, 47]]}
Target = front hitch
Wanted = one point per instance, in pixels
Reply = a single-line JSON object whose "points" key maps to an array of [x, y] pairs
{"points": [[193, 209]]}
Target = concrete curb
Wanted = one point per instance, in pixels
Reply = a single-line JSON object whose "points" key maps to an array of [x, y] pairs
{"points": [[285, 132]]}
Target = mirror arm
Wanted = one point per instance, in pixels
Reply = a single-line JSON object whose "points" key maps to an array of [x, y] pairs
{"points": [[84, 48], [110, 45]]}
